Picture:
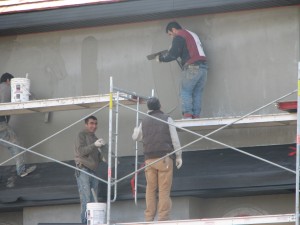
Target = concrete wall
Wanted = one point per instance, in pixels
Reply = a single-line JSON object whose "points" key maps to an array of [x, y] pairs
{"points": [[183, 208], [252, 57], [11, 218]]}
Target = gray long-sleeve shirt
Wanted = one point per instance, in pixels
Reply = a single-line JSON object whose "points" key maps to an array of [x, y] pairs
{"points": [[5, 96], [5, 92]]}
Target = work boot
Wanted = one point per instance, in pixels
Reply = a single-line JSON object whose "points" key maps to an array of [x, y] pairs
{"points": [[187, 116], [28, 171]]}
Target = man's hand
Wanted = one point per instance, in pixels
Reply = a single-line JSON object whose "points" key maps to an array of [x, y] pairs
{"points": [[99, 143], [178, 162]]}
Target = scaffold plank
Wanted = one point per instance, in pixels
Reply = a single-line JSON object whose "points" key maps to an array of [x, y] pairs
{"points": [[280, 119], [263, 219], [60, 104]]}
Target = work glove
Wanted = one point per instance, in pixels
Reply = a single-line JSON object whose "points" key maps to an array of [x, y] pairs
{"points": [[99, 143], [178, 162]]}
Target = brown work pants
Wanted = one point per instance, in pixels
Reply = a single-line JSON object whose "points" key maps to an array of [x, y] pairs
{"points": [[159, 177]]}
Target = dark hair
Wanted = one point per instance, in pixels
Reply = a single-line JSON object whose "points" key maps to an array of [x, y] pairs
{"points": [[153, 103], [5, 77], [86, 120], [171, 25]]}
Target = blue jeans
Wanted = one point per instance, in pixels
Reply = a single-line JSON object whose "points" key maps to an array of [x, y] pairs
{"points": [[85, 184], [7, 134], [193, 80]]}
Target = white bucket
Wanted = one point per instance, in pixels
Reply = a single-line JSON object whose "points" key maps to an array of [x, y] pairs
{"points": [[95, 213], [20, 89]]}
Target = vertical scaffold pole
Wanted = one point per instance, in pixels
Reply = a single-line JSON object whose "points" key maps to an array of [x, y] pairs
{"points": [[109, 151], [136, 153], [115, 157], [298, 150]]}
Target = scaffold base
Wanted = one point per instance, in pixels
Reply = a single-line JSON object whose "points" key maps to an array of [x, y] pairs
{"points": [[264, 219]]}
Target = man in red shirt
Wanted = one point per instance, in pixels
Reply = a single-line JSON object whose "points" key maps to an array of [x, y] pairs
{"points": [[187, 46]]}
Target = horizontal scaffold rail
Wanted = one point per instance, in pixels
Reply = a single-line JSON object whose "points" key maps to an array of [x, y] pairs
{"points": [[263, 219], [60, 104], [279, 119]]}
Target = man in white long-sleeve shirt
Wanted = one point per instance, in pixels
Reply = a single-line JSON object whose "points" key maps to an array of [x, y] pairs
{"points": [[159, 139]]}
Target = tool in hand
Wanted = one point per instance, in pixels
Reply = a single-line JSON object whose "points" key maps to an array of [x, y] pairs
{"points": [[152, 56]]}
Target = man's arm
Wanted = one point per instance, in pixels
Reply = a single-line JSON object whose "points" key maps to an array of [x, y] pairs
{"points": [[174, 137], [175, 50], [175, 142]]}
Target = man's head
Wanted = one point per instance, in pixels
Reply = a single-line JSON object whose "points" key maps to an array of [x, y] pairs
{"points": [[172, 28], [153, 103], [91, 123], [6, 77]]}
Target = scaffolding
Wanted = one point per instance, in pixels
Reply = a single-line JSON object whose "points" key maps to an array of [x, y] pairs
{"points": [[118, 97], [245, 120]]}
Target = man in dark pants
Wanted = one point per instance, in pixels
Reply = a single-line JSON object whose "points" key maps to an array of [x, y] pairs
{"points": [[87, 158], [187, 46], [7, 133], [159, 139]]}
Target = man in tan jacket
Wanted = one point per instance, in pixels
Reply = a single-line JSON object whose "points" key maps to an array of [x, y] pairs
{"points": [[159, 139]]}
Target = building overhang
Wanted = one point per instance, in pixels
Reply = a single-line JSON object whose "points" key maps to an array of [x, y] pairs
{"points": [[121, 12]]}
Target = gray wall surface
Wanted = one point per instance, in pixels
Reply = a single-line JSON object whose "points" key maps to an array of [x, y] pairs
{"points": [[183, 208], [252, 57]]}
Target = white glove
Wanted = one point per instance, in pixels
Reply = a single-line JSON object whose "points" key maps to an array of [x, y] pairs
{"points": [[99, 143], [137, 133], [157, 58], [178, 162]]}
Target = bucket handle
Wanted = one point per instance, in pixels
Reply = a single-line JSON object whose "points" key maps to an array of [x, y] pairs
{"points": [[27, 91]]}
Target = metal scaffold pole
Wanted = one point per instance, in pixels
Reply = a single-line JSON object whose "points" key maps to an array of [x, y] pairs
{"points": [[298, 150], [109, 152], [136, 154], [115, 156]]}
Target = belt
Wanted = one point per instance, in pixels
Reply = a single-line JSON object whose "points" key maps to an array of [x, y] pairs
{"points": [[194, 65], [191, 66], [80, 165]]}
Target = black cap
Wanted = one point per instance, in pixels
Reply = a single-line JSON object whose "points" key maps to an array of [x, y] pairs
{"points": [[153, 103], [5, 77]]}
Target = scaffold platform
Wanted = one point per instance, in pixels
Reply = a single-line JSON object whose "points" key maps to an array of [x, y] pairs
{"points": [[98, 101], [61, 104], [280, 119]]}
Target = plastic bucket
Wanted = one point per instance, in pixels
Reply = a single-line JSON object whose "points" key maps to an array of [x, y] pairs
{"points": [[95, 213], [20, 89]]}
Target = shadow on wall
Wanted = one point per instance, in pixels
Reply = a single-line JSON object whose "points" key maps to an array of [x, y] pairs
{"points": [[89, 70]]}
